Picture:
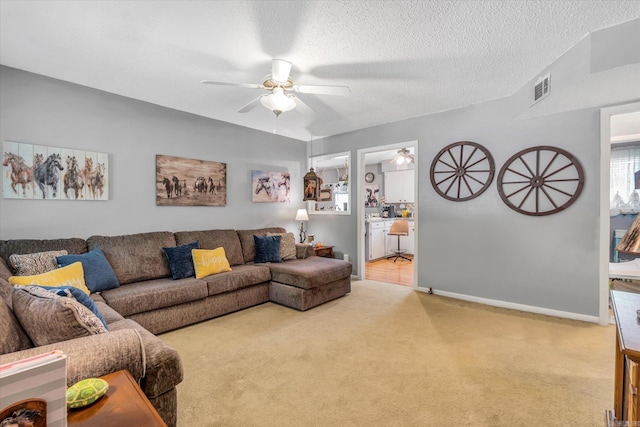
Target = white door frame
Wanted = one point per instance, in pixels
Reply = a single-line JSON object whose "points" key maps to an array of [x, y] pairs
{"points": [[360, 209], [605, 221]]}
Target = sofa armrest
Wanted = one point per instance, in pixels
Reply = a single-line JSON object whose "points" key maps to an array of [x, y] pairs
{"points": [[304, 251], [94, 356], [5, 271]]}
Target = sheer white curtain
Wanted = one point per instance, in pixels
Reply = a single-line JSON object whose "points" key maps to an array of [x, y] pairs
{"points": [[624, 198]]}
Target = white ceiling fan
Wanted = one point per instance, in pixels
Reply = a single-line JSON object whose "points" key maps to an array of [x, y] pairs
{"points": [[404, 156], [280, 97]]}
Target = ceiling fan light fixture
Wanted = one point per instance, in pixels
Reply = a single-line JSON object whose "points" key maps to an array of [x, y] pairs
{"points": [[278, 102]]}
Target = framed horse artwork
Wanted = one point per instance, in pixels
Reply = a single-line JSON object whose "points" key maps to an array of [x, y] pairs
{"points": [[190, 182], [270, 187], [42, 172]]}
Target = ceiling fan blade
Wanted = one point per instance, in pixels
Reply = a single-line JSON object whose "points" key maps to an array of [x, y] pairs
{"points": [[302, 107], [322, 90], [251, 105], [247, 85], [280, 70]]}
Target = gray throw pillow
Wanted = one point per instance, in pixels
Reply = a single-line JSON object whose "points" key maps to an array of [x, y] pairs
{"points": [[287, 245], [49, 318]]}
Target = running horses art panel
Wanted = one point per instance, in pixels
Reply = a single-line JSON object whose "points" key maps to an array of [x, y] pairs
{"points": [[190, 182], [270, 187], [43, 172]]}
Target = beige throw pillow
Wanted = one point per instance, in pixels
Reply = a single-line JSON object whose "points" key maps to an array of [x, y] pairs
{"points": [[35, 263], [287, 245], [49, 318]]}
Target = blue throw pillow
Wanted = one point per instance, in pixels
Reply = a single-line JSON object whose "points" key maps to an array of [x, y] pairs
{"points": [[181, 261], [98, 273], [79, 296], [267, 249]]}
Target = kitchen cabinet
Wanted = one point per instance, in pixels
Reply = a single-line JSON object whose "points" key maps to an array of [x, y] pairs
{"points": [[399, 186], [409, 241], [376, 238]]}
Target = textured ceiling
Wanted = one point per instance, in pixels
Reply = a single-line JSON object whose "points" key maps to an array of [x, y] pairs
{"points": [[401, 59]]}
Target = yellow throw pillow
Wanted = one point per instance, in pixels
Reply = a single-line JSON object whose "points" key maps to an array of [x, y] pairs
{"points": [[209, 261], [71, 275]]}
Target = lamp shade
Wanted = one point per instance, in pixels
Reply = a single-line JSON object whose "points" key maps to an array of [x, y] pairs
{"points": [[630, 243], [302, 215]]}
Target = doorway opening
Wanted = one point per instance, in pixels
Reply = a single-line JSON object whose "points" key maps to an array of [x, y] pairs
{"points": [[388, 193], [607, 133]]}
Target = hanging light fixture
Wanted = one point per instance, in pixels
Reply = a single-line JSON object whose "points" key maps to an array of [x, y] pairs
{"points": [[311, 181], [278, 102]]}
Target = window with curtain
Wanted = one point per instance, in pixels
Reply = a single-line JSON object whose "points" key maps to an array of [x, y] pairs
{"points": [[625, 162]]}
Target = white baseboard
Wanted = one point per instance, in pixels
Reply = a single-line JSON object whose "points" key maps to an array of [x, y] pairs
{"points": [[514, 306]]}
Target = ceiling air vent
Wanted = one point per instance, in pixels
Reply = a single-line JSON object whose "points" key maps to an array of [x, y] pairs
{"points": [[541, 88]]}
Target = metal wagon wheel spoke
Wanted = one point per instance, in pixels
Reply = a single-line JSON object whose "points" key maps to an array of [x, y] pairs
{"points": [[462, 171], [529, 183]]}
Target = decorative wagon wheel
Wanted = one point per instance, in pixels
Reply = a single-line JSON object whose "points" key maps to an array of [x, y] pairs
{"points": [[540, 181], [462, 171]]}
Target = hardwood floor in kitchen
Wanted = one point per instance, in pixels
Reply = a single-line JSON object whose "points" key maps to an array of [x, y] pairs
{"points": [[385, 270]]}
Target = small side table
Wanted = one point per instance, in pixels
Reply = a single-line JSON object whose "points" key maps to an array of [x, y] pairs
{"points": [[324, 251], [124, 405]]}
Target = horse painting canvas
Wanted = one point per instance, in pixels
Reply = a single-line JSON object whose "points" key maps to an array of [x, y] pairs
{"points": [[270, 187], [190, 182], [43, 172]]}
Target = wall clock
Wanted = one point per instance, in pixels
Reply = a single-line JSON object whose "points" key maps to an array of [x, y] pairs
{"points": [[540, 181], [369, 177], [462, 171]]}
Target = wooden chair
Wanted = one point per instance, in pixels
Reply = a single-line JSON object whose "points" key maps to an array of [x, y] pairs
{"points": [[400, 227]]}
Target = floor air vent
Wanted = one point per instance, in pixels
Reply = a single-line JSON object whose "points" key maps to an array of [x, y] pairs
{"points": [[541, 88]]}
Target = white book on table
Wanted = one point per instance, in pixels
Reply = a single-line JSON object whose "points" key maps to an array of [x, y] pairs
{"points": [[39, 377]]}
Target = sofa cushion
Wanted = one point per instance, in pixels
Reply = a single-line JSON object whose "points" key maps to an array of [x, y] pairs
{"points": [[180, 260], [211, 239], [49, 318], [311, 272], [154, 294], [27, 246], [242, 276], [78, 295], [288, 248], [248, 244], [98, 273], [12, 335], [136, 257], [71, 275], [267, 249], [209, 261], [35, 263]]}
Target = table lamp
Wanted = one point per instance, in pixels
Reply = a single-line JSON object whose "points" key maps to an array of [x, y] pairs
{"points": [[302, 216]]}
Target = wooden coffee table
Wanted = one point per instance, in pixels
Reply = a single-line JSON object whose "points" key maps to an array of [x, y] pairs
{"points": [[123, 405]]}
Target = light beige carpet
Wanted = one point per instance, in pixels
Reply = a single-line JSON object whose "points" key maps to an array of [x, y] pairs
{"points": [[385, 355]]}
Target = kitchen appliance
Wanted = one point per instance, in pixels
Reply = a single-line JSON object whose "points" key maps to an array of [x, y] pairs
{"points": [[389, 211]]}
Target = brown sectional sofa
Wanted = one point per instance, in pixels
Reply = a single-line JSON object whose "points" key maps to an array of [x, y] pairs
{"points": [[150, 302]]}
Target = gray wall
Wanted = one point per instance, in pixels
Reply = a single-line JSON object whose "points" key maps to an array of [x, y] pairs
{"points": [[477, 248], [40, 110], [481, 248]]}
